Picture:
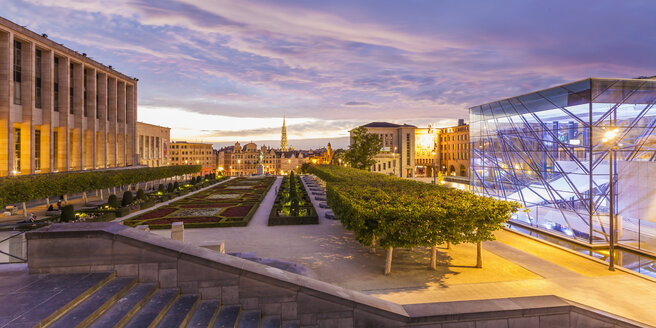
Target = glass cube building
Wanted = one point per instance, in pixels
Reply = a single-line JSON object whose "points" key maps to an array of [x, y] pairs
{"points": [[547, 151]]}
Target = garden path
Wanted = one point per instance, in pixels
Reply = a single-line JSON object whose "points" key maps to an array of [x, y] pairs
{"points": [[261, 216]]}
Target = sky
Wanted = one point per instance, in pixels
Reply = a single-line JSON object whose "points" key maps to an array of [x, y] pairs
{"points": [[224, 71]]}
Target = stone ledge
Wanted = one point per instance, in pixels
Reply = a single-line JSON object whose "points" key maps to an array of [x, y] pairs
{"points": [[158, 257]]}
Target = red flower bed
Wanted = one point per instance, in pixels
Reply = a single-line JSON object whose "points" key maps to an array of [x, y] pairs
{"points": [[160, 212], [205, 205], [236, 211], [185, 220]]}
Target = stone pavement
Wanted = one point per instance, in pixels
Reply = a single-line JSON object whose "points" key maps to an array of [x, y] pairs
{"points": [[513, 266]]}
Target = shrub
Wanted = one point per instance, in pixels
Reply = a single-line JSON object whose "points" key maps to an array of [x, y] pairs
{"points": [[112, 201], [141, 195], [161, 188], [169, 187], [176, 185], [68, 213], [127, 198]]}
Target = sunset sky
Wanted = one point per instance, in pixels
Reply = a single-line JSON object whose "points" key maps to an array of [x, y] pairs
{"points": [[221, 71]]}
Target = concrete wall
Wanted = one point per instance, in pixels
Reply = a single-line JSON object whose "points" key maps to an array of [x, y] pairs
{"points": [[103, 247]]}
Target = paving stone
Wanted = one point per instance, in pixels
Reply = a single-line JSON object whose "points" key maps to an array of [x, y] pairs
{"points": [[249, 319], [270, 321], [204, 313], [291, 324], [154, 309], [125, 305], [103, 297], [227, 316]]}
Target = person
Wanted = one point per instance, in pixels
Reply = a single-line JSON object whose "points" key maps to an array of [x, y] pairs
{"points": [[32, 217], [59, 205], [51, 208]]}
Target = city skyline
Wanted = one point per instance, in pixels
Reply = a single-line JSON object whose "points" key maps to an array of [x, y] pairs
{"points": [[225, 72]]}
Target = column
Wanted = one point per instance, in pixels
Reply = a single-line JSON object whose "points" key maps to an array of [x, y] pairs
{"points": [[47, 104], [121, 133], [101, 142], [27, 100], [78, 115], [6, 140], [131, 125], [64, 152], [90, 131], [112, 149]]}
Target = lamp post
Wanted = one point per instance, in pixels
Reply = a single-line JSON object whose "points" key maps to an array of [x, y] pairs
{"points": [[609, 138], [394, 159], [434, 175]]}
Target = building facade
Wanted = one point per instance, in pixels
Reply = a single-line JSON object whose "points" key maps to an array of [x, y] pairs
{"points": [[453, 150], [397, 156], [60, 110], [550, 151], [241, 160], [153, 144], [194, 153]]}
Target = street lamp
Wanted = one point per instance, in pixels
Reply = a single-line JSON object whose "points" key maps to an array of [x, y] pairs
{"points": [[394, 159], [434, 175], [609, 138]]}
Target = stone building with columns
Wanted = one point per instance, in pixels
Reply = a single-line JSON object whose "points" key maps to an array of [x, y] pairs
{"points": [[153, 144], [59, 109]]}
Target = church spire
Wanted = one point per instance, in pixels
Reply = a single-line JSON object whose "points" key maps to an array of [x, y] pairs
{"points": [[283, 139]]}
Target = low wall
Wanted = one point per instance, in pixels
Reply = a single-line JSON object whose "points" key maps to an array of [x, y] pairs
{"points": [[104, 247]]}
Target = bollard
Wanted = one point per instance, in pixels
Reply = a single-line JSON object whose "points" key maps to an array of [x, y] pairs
{"points": [[177, 231]]}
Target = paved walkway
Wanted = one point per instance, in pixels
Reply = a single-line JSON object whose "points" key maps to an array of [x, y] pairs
{"points": [[513, 266]]}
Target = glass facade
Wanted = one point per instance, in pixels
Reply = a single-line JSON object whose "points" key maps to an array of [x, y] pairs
{"points": [[547, 151]]}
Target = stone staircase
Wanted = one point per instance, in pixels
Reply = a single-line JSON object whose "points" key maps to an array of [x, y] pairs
{"points": [[104, 300]]}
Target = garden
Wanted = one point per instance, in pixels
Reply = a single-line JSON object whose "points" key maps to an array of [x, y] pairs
{"points": [[230, 204], [393, 212], [292, 205], [129, 202]]}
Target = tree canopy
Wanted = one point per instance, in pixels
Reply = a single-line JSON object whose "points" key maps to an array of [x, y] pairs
{"points": [[364, 146], [397, 212]]}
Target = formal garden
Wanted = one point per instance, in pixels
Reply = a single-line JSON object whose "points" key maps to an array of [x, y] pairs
{"points": [[292, 205], [392, 212], [230, 204]]}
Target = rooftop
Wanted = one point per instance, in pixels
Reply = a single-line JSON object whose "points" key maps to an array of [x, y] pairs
{"points": [[387, 125]]}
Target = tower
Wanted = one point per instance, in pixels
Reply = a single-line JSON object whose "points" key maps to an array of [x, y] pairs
{"points": [[283, 138]]}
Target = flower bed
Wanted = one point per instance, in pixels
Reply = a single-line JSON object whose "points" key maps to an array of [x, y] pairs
{"points": [[226, 205]]}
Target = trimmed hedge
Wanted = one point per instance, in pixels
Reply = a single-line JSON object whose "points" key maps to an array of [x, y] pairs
{"points": [[23, 188]]}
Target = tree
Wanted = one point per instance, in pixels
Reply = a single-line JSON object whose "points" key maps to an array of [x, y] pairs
{"points": [[364, 146]]}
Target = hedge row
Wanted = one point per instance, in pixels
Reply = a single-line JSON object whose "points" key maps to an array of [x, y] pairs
{"points": [[396, 212], [24, 188]]}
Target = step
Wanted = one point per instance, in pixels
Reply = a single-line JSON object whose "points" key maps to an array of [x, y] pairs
{"points": [[270, 321], [51, 296], [227, 316], [291, 324], [92, 307], [126, 306], [249, 319], [154, 310], [180, 313], [205, 314]]}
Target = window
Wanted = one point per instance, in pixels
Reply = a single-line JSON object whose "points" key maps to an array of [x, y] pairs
{"points": [[141, 146], [17, 150], [17, 73], [37, 149], [407, 147], [56, 95], [97, 98], [70, 91], [107, 98], [55, 148], [379, 167], [384, 166], [37, 74], [84, 87]]}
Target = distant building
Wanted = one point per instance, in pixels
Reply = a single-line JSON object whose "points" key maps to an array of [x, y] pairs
{"points": [[153, 143], [59, 109], [321, 156], [397, 156], [283, 137], [193, 153], [240, 160], [454, 150]]}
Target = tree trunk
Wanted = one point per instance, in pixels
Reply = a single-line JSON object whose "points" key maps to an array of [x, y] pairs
{"points": [[479, 254], [388, 261], [24, 210], [373, 244], [101, 195], [84, 197], [433, 264], [448, 245]]}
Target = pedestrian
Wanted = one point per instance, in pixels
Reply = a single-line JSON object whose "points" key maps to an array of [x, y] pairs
{"points": [[59, 202]]}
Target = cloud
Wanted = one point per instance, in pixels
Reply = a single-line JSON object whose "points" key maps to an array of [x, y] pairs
{"points": [[358, 104]]}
